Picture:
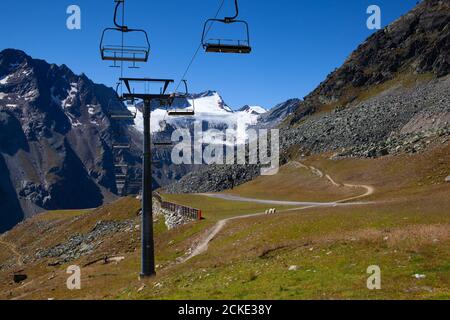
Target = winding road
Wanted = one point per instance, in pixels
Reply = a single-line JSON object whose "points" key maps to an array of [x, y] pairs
{"points": [[202, 246]]}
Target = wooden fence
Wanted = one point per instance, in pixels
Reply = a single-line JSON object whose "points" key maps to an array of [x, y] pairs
{"points": [[188, 212]]}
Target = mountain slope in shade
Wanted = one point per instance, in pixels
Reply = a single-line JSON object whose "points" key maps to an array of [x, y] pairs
{"points": [[273, 117], [55, 139]]}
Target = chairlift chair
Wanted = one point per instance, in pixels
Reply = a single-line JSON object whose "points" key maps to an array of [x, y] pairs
{"points": [[187, 112], [121, 146], [123, 53], [135, 185], [162, 144], [227, 45], [127, 115]]}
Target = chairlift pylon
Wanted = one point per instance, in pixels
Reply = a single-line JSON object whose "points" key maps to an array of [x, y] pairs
{"points": [[227, 45], [121, 52]]}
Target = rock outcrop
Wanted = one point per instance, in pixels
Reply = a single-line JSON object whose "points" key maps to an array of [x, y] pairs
{"points": [[55, 139]]}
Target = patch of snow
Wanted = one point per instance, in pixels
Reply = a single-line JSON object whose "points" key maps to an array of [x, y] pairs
{"points": [[91, 110], [13, 106], [157, 116], [211, 104], [3, 95], [71, 94], [73, 88], [254, 109], [31, 95], [5, 80], [27, 72]]}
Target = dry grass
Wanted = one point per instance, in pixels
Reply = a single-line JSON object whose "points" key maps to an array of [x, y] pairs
{"points": [[294, 183], [405, 232]]}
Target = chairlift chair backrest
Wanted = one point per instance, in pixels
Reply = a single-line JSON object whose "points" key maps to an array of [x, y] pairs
{"points": [[121, 52], [118, 53], [227, 45]]}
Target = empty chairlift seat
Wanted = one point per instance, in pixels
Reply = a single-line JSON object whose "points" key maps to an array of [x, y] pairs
{"points": [[121, 146], [221, 45], [124, 115], [118, 52], [162, 144], [185, 111], [118, 115]]}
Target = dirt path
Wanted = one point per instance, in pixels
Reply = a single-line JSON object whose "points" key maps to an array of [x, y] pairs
{"points": [[13, 249], [229, 197], [202, 246]]}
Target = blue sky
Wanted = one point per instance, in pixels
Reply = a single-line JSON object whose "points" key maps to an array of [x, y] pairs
{"points": [[296, 42]]}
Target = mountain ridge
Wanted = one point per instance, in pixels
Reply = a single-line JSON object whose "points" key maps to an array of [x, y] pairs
{"points": [[380, 102], [57, 137]]}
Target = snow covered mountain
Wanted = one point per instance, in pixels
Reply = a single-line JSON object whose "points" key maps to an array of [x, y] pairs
{"points": [[210, 108], [254, 110], [57, 138]]}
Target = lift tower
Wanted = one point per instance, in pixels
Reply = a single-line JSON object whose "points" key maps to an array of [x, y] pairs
{"points": [[148, 250]]}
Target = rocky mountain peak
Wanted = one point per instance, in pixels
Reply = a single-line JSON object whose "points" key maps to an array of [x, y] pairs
{"points": [[56, 138], [12, 58], [254, 110], [416, 43]]}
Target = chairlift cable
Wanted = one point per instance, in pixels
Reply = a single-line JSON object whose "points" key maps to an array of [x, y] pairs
{"points": [[198, 50]]}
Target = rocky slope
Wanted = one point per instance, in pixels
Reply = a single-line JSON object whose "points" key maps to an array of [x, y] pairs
{"points": [[417, 43], [401, 120], [390, 96]]}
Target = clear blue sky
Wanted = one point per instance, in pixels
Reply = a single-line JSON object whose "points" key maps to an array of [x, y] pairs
{"points": [[296, 42]]}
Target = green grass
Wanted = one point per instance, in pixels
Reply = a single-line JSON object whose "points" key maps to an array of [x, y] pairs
{"points": [[333, 249], [405, 232]]}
